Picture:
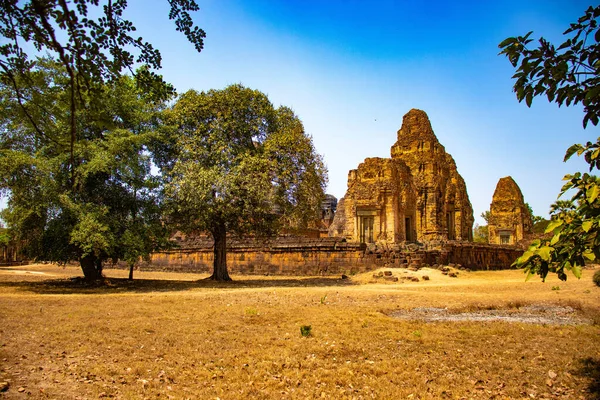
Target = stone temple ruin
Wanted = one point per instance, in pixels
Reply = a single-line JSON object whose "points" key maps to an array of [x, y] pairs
{"points": [[416, 195], [510, 219], [411, 209]]}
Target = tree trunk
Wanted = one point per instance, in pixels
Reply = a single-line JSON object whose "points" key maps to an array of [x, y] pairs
{"points": [[220, 254], [131, 264], [89, 266], [99, 266]]}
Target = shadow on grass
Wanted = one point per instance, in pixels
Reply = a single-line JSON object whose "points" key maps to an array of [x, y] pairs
{"points": [[121, 285], [589, 368]]}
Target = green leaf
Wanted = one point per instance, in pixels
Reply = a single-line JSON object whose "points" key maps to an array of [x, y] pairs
{"points": [[524, 258], [507, 42], [545, 253], [592, 193], [528, 98], [529, 273], [587, 225], [589, 255], [571, 150], [555, 239], [553, 225], [576, 270]]}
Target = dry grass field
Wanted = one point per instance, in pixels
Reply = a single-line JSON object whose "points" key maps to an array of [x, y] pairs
{"points": [[168, 335]]}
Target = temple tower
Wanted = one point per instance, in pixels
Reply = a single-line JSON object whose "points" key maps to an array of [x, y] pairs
{"points": [[444, 211], [416, 195], [510, 219]]}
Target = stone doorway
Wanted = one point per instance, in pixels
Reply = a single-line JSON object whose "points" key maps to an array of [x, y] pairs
{"points": [[408, 229], [505, 237], [366, 229]]}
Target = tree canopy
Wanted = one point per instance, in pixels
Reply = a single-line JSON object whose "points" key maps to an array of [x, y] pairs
{"points": [[112, 208], [91, 50], [567, 74], [481, 234], [76, 134], [241, 166]]}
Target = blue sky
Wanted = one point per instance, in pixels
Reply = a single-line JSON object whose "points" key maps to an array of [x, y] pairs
{"points": [[351, 69]]}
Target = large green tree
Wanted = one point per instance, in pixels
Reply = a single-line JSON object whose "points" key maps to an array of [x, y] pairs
{"points": [[241, 167], [567, 74], [75, 145], [111, 210]]}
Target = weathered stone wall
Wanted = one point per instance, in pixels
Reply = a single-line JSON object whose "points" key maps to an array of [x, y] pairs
{"points": [[331, 256], [298, 256], [476, 256]]}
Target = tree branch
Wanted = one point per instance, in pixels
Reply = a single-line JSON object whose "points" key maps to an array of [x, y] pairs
{"points": [[15, 85], [56, 46]]}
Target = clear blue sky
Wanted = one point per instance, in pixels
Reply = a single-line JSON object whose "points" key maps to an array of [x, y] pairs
{"points": [[352, 69]]}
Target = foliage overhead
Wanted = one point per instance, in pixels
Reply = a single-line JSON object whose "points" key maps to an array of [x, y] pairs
{"points": [[91, 50], [77, 136], [567, 75]]}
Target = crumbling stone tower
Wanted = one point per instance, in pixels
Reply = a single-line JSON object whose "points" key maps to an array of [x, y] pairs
{"points": [[443, 207], [510, 219], [380, 197], [416, 195]]}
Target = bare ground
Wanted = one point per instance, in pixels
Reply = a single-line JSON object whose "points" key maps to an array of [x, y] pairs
{"points": [[177, 336], [532, 314]]}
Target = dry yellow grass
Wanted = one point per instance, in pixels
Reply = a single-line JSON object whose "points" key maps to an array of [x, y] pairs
{"points": [[169, 336]]}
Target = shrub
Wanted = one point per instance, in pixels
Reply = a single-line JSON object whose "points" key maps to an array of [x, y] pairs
{"points": [[305, 330]]}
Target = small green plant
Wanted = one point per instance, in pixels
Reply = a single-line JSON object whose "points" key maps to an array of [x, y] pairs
{"points": [[323, 299], [596, 278], [555, 287], [365, 324], [417, 334], [306, 330], [251, 311]]}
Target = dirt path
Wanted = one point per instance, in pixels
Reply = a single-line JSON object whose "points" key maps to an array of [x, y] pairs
{"points": [[532, 314], [11, 271]]}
